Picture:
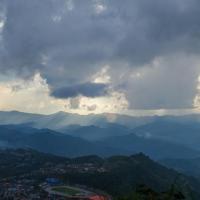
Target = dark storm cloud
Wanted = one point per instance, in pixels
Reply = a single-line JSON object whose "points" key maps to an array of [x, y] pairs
{"points": [[86, 89], [135, 31], [65, 40]]}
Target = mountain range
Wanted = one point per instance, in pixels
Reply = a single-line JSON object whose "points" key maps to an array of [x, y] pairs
{"points": [[61, 120], [66, 134]]}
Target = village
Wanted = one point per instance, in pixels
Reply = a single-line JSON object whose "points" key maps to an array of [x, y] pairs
{"points": [[43, 184]]}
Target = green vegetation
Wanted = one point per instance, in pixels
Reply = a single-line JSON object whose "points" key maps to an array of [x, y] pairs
{"points": [[118, 176], [66, 190], [124, 173], [145, 193]]}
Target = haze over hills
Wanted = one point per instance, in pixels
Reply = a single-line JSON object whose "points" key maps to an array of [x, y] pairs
{"points": [[48, 141], [187, 133], [73, 135], [155, 148], [191, 167], [90, 140], [95, 133], [62, 119]]}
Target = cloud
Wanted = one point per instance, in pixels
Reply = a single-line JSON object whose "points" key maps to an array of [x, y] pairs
{"points": [[86, 89], [28, 96], [74, 103], [92, 107], [70, 41], [157, 28], [169, 83], [132, 31]]}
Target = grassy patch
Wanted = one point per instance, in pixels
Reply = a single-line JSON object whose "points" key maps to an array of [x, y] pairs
{"points": [[66, 190]]}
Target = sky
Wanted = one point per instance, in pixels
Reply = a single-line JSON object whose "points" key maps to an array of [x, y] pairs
{"points": [[138, 57]]}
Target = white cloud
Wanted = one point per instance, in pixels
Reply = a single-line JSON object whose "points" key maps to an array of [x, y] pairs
{"points": [[99, 8], [169, 82], [33, 96], [102, 76], [69, 5], [196, 101], [1, 24], [28, 96], [116, 102]]}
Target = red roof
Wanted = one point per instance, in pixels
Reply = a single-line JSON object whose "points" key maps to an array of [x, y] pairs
{"points": [[98, 197]]}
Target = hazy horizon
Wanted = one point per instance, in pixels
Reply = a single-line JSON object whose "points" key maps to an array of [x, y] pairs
{"points": [[135, 113]]}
